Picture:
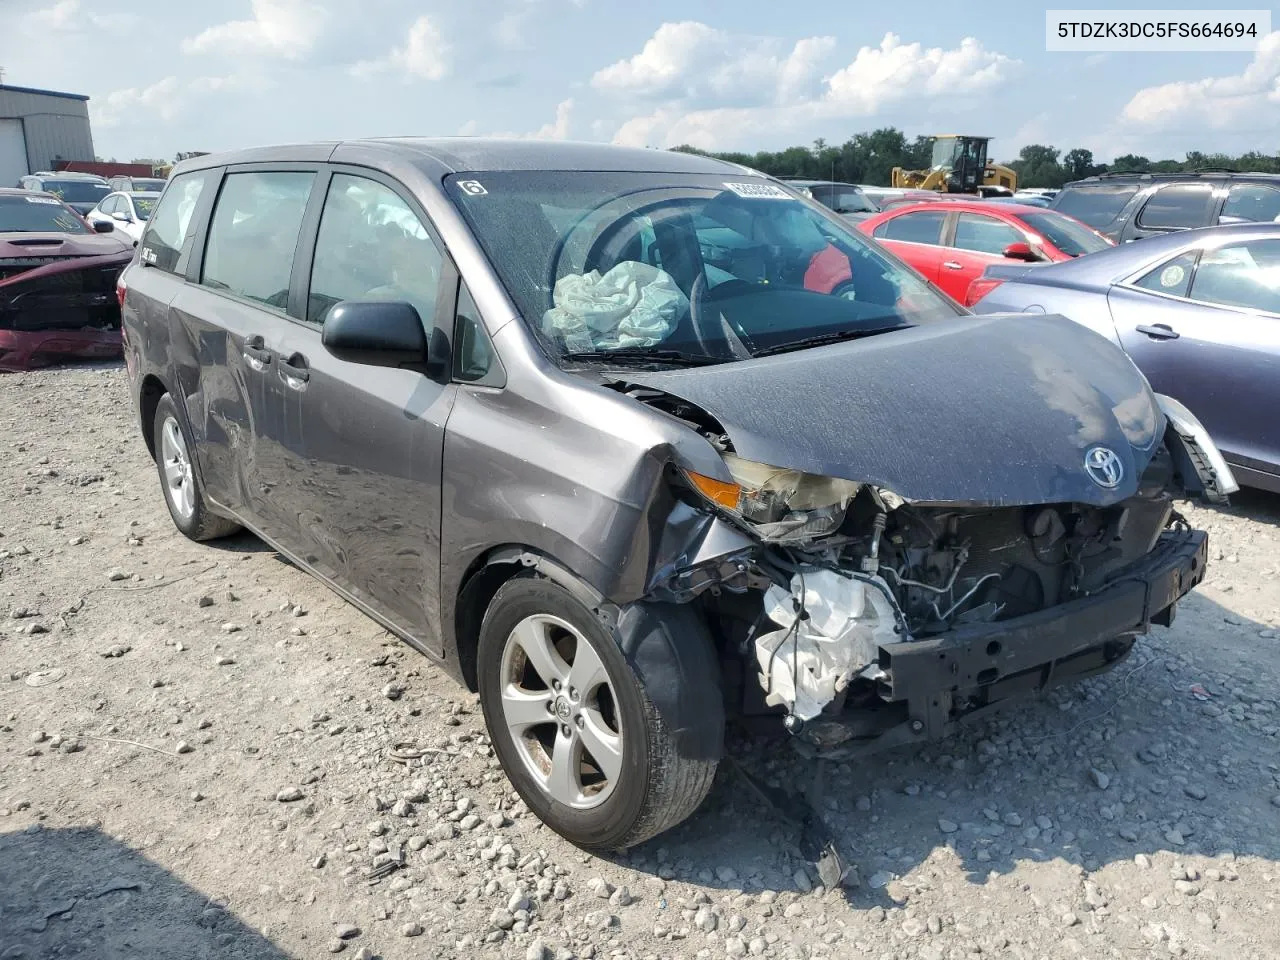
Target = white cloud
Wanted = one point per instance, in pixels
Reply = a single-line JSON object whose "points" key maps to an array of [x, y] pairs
{"points": [[425, 55], [1245, 100], [69, 16], [63, 15], [693, 62], [716, 89], [166, 99], [283, 28], [557, 129]]}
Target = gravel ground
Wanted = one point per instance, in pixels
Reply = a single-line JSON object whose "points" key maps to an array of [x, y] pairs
{"points": [[204, 753]]}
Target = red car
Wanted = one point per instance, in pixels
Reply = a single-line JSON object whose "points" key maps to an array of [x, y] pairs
{"points": [[57, 282], [952, 243]]}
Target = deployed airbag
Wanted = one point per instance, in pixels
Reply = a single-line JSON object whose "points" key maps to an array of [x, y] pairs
{"points": [[633, 305]]}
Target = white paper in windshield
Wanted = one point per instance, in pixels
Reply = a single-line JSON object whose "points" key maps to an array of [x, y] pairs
{"points": [[759, 191], [56, 203]]}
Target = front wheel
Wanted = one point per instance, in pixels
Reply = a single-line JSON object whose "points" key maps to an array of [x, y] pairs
{"points": [[572, 726]]}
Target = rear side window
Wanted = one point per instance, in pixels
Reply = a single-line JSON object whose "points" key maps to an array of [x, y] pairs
{"points": [[1095, 204], [922, 227], [1180, 206], [1241, 275], [171, 230], [984, 234], [372, 246], [1172, 277], [1251, 203], [254, 233]]}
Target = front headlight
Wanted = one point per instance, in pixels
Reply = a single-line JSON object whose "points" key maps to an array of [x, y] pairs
{"points": [[782, 504]]}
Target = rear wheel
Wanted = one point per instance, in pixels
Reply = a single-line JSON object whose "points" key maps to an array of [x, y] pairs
{"points": [[572, 726], [178, 480]]}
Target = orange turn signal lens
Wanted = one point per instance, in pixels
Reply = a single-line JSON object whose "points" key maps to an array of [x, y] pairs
{"points": [[717, 491]]}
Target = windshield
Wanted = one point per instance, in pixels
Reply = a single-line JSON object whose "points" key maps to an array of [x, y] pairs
{"points": [[76, 191], [1073, 239], [946, 152], [697, 265], [148, 185], [143, 206], [37, 214]]}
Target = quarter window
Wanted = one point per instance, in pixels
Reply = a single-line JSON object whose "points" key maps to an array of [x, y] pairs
{"points": [[1241, 275], [1251, 202], [984, 234], [1172, 277], [254, 233], [1180, 206], [473, 354], [372, 246], [922, 227]]}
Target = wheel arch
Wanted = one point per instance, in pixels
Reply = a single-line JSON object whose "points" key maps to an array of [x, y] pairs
{"points": [[668, 645]]}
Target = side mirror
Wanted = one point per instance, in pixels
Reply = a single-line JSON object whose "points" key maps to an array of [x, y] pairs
{"points": [[379, 333], [1020, 251], [121, 216], [103, 226]]}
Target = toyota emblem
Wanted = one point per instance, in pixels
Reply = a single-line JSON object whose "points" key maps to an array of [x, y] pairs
{"points": [[1104, 467]]}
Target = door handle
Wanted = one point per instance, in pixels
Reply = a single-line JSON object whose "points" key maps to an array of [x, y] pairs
{"points": [[952, 265], [256, 354], [294, 371], [1158, 331]]}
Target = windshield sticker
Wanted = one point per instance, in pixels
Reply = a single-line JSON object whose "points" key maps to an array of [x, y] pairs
{"points": [[758, 191], [472, 188], [1171, 276], [52, 200]]}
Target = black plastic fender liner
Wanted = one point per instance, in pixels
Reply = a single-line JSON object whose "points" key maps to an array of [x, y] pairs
{"points": [[671, 651]]}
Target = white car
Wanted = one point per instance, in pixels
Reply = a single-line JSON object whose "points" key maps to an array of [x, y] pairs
{"points": [[127, 211]]}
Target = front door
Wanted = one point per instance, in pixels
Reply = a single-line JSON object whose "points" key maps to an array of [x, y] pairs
{"points": [[360, 483], [1204, 327]]}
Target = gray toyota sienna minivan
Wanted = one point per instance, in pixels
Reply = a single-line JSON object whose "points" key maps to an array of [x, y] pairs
{"points": [[632, 440]]}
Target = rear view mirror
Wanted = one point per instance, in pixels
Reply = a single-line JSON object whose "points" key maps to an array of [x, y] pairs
{"points": [[379, 333], [1020, 251], [103, 226]]}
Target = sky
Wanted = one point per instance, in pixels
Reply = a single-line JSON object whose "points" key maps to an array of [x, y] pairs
{"points": [[172, 76]]}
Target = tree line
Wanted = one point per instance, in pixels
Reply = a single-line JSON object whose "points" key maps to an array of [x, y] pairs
{"points": [[869, 158]]}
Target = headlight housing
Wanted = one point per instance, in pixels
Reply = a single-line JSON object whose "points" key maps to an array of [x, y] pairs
{"points": [[780, 503]]}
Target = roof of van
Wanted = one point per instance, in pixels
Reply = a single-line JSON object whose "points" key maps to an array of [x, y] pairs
{"points": [[480, 154]]}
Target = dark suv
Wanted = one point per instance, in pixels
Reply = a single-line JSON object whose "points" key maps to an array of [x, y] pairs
{"points": [[1130, 206], [629, 438]]}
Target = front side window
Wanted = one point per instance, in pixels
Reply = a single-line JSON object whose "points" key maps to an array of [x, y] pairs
{"points": [[1240, 275], [922, 227], [682, 267], [171, 231], [254, 233], [984, 234], [1173, 277], [372, 246], [36, 214], [1095, 204], [1251, 203], [1180, 206], [109, 205]]}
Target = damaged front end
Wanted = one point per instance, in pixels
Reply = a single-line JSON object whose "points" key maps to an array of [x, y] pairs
{"points": [[59, 307], [866, 620]]}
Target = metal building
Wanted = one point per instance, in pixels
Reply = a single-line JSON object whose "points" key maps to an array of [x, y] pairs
{"points": [[39, 128]]}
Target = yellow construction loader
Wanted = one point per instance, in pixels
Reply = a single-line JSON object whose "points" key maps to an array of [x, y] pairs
{"points": [[959, 165]]}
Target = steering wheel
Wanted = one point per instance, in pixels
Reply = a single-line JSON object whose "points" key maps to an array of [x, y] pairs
{"points": [[703, 330]]}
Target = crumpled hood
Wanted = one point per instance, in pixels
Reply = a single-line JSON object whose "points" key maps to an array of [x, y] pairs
{"points": [[992, 410]]}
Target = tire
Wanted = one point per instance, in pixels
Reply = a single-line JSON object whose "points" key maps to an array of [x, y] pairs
{"points": [[178, 482], [654, 787]]}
